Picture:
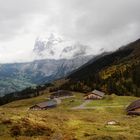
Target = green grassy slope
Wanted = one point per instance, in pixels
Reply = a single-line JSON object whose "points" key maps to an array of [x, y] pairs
{"points": [[17, 122]]}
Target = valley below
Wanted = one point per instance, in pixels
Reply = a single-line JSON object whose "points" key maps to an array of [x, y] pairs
{"points": [[18, 76]]}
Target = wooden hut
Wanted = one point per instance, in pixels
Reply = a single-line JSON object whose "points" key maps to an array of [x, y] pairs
{"points": [[44, 105], [94, 95], [60, 93], [134, 108]]}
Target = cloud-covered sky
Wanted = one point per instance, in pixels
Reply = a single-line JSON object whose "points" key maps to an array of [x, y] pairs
{"points": [[101, 24]]}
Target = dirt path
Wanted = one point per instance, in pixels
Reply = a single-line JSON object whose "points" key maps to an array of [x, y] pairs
{"points": [[83, 106], [59, 100]]}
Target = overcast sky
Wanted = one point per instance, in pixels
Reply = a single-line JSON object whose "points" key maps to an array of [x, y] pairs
{"points": [[101, 24]]}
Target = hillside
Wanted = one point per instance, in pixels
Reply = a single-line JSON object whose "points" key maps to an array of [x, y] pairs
{"points": [[117, 72], [64, 123]]}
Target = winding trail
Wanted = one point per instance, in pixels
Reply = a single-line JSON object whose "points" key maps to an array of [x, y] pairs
{"points": [[59, 100], [83, 106]]}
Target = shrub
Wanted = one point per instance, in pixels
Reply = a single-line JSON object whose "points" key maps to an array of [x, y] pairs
{"points": [[38, 131], [6, 121], [15, 130]]}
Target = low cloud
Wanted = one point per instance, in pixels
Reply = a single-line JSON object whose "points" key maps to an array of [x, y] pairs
{"points": [[101, 24]]}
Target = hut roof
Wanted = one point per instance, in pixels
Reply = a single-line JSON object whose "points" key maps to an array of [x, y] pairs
{"points": [[62, 91], [133, 105], [47, 104], [99, 93]]}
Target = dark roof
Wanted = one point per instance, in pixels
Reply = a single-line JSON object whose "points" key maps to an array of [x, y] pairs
{"points": [[99, 93], [133, 113], [133, 105], [62, 91], [47, 104]]}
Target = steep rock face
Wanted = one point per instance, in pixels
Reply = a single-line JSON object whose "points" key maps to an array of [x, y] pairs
{"points": [[75, 50], [45, 46], [17, 76], [58, 48]]}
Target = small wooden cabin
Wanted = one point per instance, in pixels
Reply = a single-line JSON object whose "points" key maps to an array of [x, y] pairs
{"points": [[44, 105], [134, 108], [60, 93], [94, 95]]}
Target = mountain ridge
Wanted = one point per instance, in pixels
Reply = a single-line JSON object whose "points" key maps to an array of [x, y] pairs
{"points": [[55, 46], [116, 72]]}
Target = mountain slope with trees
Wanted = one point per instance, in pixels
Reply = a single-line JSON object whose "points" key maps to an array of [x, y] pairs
{"points": [[117, 72]]}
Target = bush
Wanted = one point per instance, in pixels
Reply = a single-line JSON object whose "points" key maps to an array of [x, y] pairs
{"points": [[38, 131], [15, 130], [6, 121], [31, 129]]}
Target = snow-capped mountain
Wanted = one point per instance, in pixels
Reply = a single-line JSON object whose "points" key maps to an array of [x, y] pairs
{"points": [[56, 47], [46, 45], [73, 51]]}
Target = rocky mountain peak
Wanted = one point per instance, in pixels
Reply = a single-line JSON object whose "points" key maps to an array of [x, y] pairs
{"points": [[57, 48]]}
